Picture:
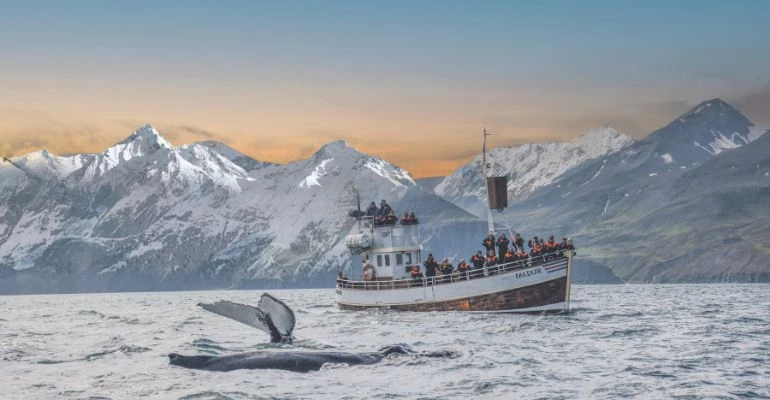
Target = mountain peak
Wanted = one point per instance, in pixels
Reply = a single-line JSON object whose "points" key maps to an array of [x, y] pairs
{"points": [[335, 145], [605, 137], [710, 109], [706, 130], [148, 135]]}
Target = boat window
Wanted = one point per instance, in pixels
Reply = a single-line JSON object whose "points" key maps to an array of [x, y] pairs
{"points": [[408, 258], [387, 260], [379, 260], [399, 259]]}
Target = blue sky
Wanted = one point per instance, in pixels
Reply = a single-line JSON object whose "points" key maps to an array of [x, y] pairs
{"points": [[318, 71]]}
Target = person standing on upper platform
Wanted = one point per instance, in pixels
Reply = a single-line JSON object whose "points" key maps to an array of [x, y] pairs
{"points": [[384, 208], [489, 244], [372, 210], [502, 244]]}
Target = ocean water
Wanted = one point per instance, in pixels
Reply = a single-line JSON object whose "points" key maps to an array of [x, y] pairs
{"points": [[642, 341]]}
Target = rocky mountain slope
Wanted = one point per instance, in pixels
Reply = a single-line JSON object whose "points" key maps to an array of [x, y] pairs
{"points": [[688, 203], [146, 215]]}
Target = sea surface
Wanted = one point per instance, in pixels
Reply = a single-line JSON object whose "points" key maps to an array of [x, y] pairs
{"points": [[639, 341]]}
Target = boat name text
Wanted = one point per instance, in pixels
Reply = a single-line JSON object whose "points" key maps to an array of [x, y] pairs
{"points": [[524, 274]]}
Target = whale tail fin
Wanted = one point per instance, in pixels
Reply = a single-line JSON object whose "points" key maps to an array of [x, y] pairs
{"points": [[271, 315]]}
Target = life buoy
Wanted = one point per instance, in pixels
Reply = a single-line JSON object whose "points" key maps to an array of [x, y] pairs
{"points": [[369, 272]]}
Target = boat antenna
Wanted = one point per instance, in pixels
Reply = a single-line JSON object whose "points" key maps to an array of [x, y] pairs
{"points": [[484, 170]]}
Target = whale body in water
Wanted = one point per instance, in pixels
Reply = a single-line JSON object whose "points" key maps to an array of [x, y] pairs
{"points": [[276, 318], [297, 361]]}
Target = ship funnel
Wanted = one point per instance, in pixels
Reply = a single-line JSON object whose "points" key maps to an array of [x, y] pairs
{"points": [[497, 187]]}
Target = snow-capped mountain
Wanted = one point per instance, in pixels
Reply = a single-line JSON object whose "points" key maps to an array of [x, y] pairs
{"points": [[240, 159], [147, 215], [659, 209], [528, 167], [710, 127]]}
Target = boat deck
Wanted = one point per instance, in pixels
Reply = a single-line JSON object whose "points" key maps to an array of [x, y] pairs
{"points": [[545, 260]]}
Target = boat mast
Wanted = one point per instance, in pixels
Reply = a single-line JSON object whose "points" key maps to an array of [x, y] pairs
{"points": [[484, 171]]}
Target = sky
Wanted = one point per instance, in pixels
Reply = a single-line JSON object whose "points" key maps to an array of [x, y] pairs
{"points": [[414, 82]]}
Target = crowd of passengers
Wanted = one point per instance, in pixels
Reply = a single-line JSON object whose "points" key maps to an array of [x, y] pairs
{"points": [[384, 215], [516, 252]]}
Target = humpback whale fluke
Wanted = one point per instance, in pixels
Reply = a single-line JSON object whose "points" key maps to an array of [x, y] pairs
{"points": [[270, 315], [273, 316]]}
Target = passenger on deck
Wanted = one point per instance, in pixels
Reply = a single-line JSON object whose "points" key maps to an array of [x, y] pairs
{"points": [[491, 261], [531, 243], [521, 255], [413, 218], [478, 260], [569, 244], [405, 219], [369, 273], [502, 244], [446, 267], [372, 210], [384, 208], [463, 266], [518, 243], [489, 244], [563, 244], [509, 257], [537, 250], [550, 245], [341, 277], [415, 272], [390, 218], [430, 266]]}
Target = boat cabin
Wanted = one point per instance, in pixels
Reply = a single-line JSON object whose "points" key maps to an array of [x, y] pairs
{"points": [[387, 251]]}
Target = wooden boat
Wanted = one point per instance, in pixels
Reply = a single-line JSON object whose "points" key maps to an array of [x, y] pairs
{"points": [[533, 284]]}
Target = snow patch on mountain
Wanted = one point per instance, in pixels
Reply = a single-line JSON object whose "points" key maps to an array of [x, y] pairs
{"points": [[146, 140], [667, 158], [396, 176], [722, 142], [44, 165], [319, 172]]}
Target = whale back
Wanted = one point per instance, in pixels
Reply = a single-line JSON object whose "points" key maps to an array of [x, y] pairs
{"points": [[198, 362]]}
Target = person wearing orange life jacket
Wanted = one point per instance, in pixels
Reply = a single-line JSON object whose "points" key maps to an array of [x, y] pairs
{"points": [[415, 272], [537, 248], [430, 266], [413, 218], [478, 260], [463, 266], [550, 245], [405, 219]]}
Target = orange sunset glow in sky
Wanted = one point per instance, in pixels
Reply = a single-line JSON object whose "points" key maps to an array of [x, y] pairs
{"points": [[412, 82]]}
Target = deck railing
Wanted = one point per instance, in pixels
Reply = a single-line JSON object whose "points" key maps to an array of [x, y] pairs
{"points": [[455, 276]]}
